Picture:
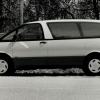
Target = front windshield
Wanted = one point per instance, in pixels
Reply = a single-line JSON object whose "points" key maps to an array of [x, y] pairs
{"points": [[6, 34]]}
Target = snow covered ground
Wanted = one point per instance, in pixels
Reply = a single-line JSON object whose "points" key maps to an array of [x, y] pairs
{"points": [[69, 71]]}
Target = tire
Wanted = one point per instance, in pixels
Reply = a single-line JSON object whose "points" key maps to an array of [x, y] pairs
{"points": [[92, 65], [6, 66]]}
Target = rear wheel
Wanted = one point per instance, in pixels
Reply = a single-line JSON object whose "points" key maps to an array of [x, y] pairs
{"points": [[6, 66], [92, 66]]}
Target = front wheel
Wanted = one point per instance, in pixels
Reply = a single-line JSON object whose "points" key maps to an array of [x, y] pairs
{"points": [[6, 67], [92, 66]]}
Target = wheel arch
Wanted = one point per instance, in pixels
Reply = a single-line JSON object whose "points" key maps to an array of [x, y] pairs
{"points": [[8, 57], [92, 54]]}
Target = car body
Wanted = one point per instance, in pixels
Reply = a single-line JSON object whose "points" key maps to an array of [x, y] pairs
{"points": [[53, 43]]}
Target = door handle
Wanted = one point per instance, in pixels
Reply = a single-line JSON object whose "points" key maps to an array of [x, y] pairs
{"points": [[43, 42]]}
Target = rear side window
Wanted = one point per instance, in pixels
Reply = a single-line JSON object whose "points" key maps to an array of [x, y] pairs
{"points": [[90, 29], [64, 30]]}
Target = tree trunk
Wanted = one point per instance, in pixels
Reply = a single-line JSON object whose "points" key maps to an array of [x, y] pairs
{"points": [[1, 21], [21, 11], [0, 7]]}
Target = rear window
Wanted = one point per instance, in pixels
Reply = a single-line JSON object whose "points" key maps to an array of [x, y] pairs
{"points": [[64, 30], [91, 29]]}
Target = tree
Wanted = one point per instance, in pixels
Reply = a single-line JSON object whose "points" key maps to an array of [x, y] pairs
{"points": [[0, 8], [1, 22], [10, 13], [95, 10]]}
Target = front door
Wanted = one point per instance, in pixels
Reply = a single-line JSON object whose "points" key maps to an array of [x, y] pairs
{"points": [[28, 48]]}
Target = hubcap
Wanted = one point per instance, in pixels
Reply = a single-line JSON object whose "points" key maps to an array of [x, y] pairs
{"points": [[3, 66], [94, 65]]}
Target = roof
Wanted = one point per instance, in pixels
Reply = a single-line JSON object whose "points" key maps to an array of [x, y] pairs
{"points": [[66, 20]]}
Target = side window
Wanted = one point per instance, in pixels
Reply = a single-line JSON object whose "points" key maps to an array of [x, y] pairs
{"points": [[30, 32], [10, 36], [91, 29], [64, 30]]}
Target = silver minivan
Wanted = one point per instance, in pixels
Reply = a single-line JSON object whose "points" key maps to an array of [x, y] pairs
{"points": [[52, 43]]}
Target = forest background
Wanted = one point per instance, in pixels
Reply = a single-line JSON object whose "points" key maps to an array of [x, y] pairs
{"points": [[16, 12]]}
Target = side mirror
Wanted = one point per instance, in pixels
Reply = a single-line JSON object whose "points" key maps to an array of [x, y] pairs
{"points": [[14, 37], [18, 37]]}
